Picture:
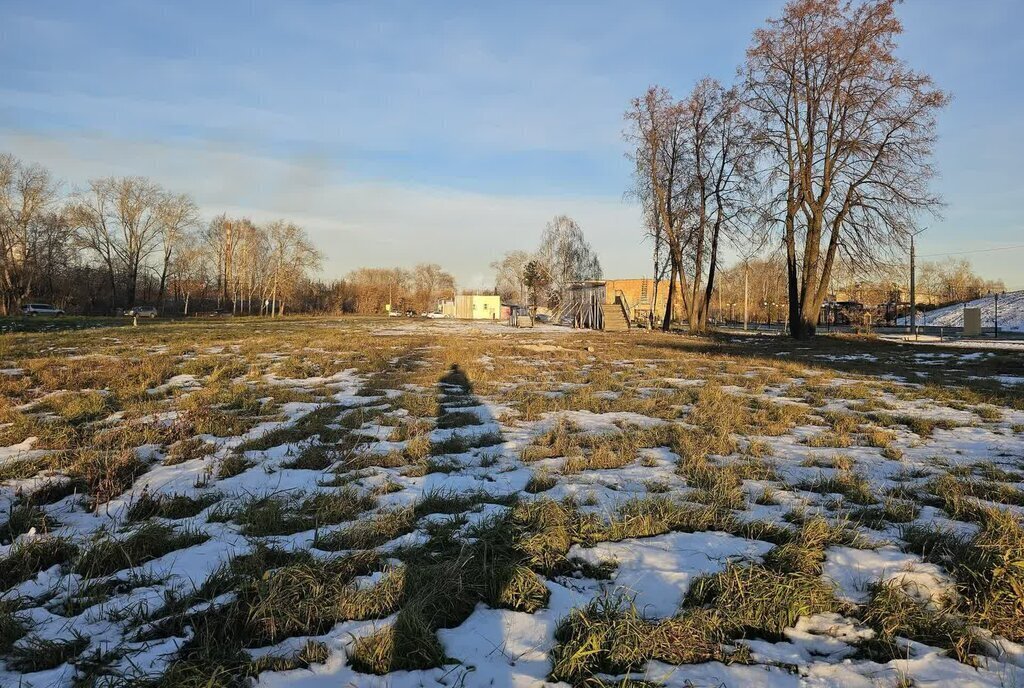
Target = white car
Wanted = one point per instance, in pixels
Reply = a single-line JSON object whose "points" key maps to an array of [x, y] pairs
{"points": [[41, 309], [142, 312], [436, 315]]}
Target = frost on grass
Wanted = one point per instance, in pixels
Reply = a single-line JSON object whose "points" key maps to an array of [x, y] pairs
{"points": [[338, 502]]}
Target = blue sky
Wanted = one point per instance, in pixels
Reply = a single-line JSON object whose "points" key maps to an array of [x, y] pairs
{"points": [[398, 132]]}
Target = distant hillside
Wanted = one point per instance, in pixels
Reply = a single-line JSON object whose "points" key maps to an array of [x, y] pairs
{"points": [[1011, 313]]}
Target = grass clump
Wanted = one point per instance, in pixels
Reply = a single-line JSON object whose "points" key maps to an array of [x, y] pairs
{"points": [[77, 408], [609, 636], [988, 568], [759, 601], [369, 533], [232, 465], [803, 551], [962, 497], [187, 450], [891, 510], [106, 474], [459, 444], [458, 419], [27, 558], [313, 652], [829, 438], [541, 481], [173, 506], [893, 612], [444, 581], [442, 501], [308, 598], [23, 518], [278, 595], [315, 457], [38, 654], [150, 541], [852, 486], [286, 515], [12, 626]]}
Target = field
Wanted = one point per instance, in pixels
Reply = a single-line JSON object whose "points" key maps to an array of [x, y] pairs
{"points": [[368, 502]]}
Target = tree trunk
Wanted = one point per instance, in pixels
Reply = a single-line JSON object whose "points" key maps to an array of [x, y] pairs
{"points": [[666, 323]]}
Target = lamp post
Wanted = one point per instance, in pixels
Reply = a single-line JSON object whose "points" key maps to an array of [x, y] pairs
{"points": [[767, 314], [997, 314], [913, 284]]}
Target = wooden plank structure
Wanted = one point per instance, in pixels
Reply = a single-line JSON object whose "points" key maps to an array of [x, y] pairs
{"points": [[588, 306]]}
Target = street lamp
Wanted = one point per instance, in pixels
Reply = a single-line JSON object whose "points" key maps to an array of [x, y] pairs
{"points": [[913, 284], [995, 296], [768, 314]]}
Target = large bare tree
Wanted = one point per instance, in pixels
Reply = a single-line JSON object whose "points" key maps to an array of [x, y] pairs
{"points": [[430, 282], [654, 127], [119, 220], [178, 217], [848, 131], [717, 175], [29, 219]]}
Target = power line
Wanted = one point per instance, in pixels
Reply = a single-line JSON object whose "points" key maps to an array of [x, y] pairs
{"points": [[978, 250]]}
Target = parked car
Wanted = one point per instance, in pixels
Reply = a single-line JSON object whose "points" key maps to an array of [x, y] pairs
{"points": [[41, 309], [141, 312], [437, 315]]}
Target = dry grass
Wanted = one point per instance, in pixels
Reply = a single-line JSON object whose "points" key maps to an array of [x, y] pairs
{"points": [[718, 427], [988, 568]]}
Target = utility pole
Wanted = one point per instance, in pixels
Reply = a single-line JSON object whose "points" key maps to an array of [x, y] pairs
{"points": [[720, 318], [746, 266], [997, 315], [913, 284]]}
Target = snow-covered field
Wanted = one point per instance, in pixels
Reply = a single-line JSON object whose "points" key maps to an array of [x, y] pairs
{"points": [[369, 503], [1011, 313]]}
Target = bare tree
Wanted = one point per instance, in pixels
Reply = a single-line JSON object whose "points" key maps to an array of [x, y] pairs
{"points": [[28, 207], [654, 128], [291, 255], [90, 214], [430, 282], [509, 276], [190, 273], [372, 288], [718, 181], [222, 237], [566, 257], [119, 220], [177, 216], [848, 130]]}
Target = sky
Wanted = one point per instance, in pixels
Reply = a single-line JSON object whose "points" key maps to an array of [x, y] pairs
{"points": [[451, 132]]}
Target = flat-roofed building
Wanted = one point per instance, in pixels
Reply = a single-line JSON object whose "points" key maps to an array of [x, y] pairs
{"points": [[473, 307]]}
